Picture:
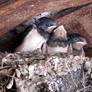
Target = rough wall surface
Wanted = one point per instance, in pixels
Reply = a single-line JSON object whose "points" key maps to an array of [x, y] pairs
{"points": [[15, 13], [78, 20]]}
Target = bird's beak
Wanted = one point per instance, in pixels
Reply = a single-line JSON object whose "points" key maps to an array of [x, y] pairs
{"points": [[51, 28], [61, 32], [79, 45], [65, 37], [83, 43]]}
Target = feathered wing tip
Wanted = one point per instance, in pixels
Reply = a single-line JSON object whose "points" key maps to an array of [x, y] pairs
{"points": [[44, 48]]}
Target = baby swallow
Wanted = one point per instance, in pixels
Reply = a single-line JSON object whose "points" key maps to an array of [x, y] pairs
{"points": [[77, 42], [37, 34], [57, 42]]}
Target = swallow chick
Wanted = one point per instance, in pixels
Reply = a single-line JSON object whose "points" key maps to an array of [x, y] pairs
{"points": [[57, 42], [36, 35], [76, 44]]}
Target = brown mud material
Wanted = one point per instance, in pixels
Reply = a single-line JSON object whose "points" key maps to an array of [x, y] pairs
{"points": [[36, 73]]}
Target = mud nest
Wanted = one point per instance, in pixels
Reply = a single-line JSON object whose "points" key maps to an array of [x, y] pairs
{"points": [[35, 72]]}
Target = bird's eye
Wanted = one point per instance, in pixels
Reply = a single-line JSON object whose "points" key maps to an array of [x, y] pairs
{"points": [[49, 25], [76, 39]]}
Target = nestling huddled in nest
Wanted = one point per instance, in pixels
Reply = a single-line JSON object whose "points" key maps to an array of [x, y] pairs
{"points": [[51, 39]]}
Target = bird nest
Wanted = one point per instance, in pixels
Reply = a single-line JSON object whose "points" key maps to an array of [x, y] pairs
{"points": [[35, 72]]}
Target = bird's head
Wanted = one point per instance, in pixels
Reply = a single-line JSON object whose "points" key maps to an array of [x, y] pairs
{"points": [[78, 41], [61, 32], [45, 25]]}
